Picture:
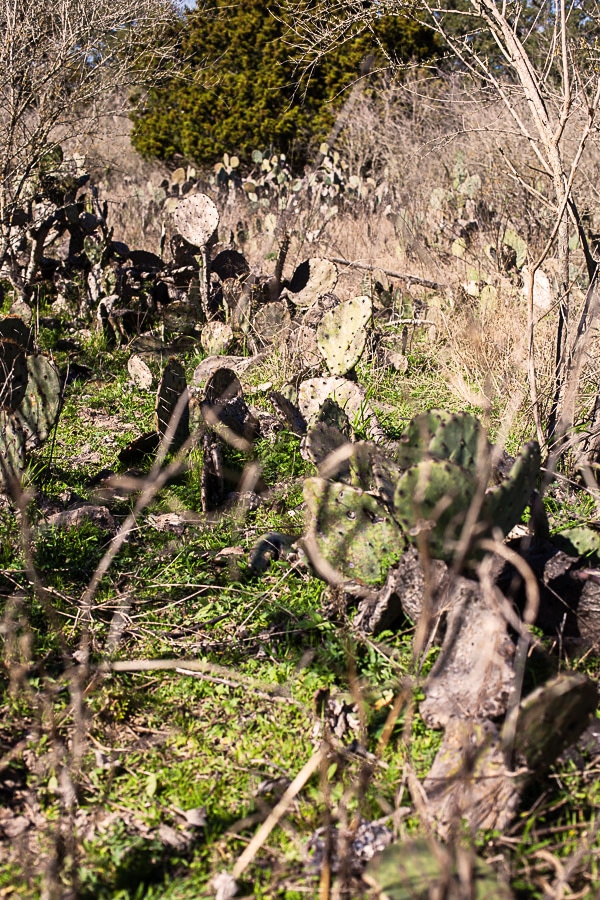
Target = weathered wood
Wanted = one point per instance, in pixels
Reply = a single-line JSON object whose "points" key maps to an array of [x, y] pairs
{"points": [[569, 592]]}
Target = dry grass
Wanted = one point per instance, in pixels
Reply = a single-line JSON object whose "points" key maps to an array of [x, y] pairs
{"points": [[411, 139]]}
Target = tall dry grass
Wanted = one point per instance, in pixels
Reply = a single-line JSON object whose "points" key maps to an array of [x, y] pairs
{"points": [[405, 140]]}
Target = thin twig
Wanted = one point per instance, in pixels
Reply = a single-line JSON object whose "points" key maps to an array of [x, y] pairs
{"points": [[402, 276], [278, 811]]}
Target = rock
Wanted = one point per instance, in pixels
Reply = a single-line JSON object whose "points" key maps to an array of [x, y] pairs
{"points": [[74, 518]]}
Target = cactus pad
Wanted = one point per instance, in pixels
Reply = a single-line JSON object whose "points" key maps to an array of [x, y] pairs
{"points": [[341, 334], [321, 440], [230, 264], [224, 409], [350, 396], [172, 386], [303, 348], [352, 530], [438, 434], [40, 407], [503, 505], [434, 496], [13, 328], [272, 323], [196, 218], [579, 541], [13, 375], [216, 337], [372, 470], [12, 448], [420, 869], [311, 279], [552, 718]]}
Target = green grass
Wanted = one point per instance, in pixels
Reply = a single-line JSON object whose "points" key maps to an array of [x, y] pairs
{"points": [[162, 742]]}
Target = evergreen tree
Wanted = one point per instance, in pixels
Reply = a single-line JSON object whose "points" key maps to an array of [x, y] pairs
{"points": [[248, 97]]}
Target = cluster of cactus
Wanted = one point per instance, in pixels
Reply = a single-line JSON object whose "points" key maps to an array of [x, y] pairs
{"points": [[419, 491], [30, 398], [271, 181]]}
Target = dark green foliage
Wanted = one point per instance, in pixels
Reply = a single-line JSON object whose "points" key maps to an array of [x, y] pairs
{"points": [[244, 93]]}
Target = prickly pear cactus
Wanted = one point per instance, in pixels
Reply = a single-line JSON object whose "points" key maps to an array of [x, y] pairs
{"points": [[421, 869], [579, 541], [13, 328], [30, 398], [38, 412], [330, 430], [320, 441], [353, 532], [552, 718], [172, 386], [12, 449], [434, 496], [216, 338], [372, 470], [311, 279], [230, 264], [438, 434], [342, 334], [350, 396], [331, 413], [196, 218], [427, 487], [503, 505], [13, 375], [272, 323]]}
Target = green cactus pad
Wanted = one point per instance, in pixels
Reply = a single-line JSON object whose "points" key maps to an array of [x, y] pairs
{"points": [[350, 396], [172, 385], [457, 440], [38, 412], [434, 496], [341, 334], [12, 448], [441, 435], [331, 413], [417, 436], [503, 505], [420, 869], [579, 541], [13, 375], [371, 470], [320, 440], [354, 533]]}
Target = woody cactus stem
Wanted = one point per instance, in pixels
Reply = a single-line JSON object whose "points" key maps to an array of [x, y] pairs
{"points": [[205, 280], [281, 257]]}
